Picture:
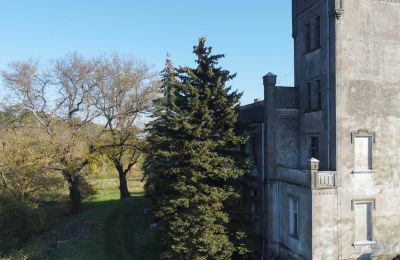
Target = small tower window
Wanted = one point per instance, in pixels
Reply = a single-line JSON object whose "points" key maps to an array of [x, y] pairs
{"points": [[308, 105], [293, 217], [313, 96], [254, 149], [314, 147], [307, 37], [317, 32], [319, 94]]}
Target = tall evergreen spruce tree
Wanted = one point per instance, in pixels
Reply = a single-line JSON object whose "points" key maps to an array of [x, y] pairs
{"points": [[193, 162]]}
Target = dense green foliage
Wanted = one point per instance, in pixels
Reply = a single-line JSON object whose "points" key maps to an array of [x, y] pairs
{"points": [[193, 163], [18, 220], [26, 159]]}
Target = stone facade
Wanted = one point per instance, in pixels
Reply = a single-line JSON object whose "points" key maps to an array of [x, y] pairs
{"points": [[344, 111]]}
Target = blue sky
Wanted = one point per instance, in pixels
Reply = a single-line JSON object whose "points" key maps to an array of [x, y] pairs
{"points": [[254, 34]]}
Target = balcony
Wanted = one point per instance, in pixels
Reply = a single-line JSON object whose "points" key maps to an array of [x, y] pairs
{"points": [[293, 176], [317, 180], [325, 180], [322, 179]]}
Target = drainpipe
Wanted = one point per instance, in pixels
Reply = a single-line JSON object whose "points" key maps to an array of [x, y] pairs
{"points": [[339, 11], [263, 192], [328, 82]]}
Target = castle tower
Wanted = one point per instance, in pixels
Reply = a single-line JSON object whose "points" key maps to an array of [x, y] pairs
{"points": [[327, 159], [347, 64]]}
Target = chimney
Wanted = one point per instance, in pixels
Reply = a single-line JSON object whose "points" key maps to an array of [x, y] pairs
{"points": [[269, 80]]}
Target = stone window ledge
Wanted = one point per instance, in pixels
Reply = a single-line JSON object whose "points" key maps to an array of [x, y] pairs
{"points": [[362, 171], [364, 243]]}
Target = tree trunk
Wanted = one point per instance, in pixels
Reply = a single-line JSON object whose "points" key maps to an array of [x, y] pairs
{"points": [[123, 186], [75, 194]]}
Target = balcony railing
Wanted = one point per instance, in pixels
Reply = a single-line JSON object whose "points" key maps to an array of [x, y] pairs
{"points": [[321, 179], [308, 178], [325, 180], [293, 176]]}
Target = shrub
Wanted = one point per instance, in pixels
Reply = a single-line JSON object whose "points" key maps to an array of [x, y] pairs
{"points": [[18, 221]]}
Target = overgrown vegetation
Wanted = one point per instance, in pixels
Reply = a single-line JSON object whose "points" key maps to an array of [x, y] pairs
{"points": [[67, 95], [72, 141], [18, 221], [25, 160], [104, 229], [62, 124]]}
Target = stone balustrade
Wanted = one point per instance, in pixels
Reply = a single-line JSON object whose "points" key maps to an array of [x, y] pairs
{"points": [[294, 176], [321, 179], [325, 180], [313, 178]]}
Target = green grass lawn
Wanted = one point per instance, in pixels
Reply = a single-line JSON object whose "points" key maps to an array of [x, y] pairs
{"points": [[127, 233], [117, 229], [120, 231]]}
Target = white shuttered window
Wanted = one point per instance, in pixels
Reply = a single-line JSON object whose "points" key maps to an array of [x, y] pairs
{"points": [[363, 218], [363, 153]]}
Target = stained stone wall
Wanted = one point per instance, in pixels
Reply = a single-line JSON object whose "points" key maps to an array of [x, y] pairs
{"points": [[368, 100], [310, 66]]}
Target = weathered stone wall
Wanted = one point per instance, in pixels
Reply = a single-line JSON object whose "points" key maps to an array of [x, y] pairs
{"points": [[312, 65], [324, 224], [252, 115], [286, 97], [286, 137], [318, 64], [281, 117], [368, 99], [303, 5], [358, 64], [280, 242]]}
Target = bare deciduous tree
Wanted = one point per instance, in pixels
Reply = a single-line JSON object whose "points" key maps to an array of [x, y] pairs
{"points": [[123, 94], [60, 100], [69, 94]]}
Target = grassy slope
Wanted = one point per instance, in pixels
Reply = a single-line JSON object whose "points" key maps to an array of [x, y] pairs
{"points": [[127, 233], [119, 229], [121, 232]]}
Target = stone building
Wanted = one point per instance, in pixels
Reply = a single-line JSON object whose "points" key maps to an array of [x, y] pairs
{"points": [[326, 152]]}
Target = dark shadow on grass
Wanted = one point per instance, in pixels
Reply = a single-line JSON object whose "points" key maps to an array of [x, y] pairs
{"points": [[120, 230], [127, 234]]}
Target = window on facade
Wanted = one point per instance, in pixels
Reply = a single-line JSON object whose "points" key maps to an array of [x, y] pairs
{"points": [[362, 153], [363, 221], [255, 209], [308, 37], [319, 94], [308, 106], [254, 149], [317, 32], [314, 147], [314, 96], [293, 217]]}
